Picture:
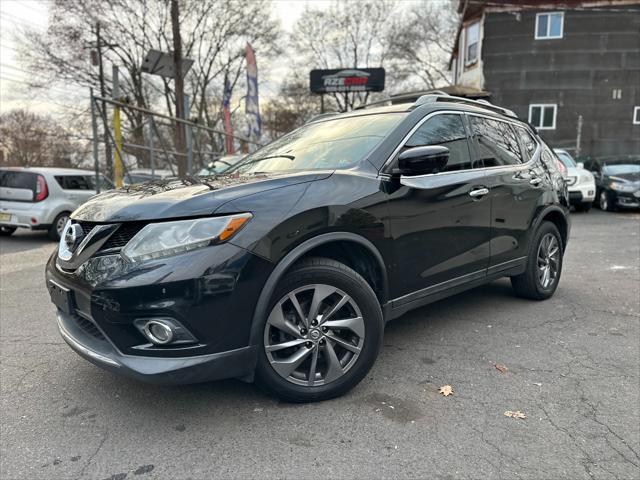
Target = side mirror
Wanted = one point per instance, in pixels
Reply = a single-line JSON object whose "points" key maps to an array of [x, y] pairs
{"points": [[423, 160], [580, 165]]}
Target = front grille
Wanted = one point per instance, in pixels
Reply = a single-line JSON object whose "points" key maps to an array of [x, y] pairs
{"points": [[125, 232], [88, 327]]}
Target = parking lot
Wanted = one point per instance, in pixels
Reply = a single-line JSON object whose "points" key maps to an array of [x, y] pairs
{"points": [[572, 367]]}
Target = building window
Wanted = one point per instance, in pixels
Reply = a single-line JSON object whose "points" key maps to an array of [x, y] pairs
{"points": [[636, 115], [472, 40], [543, 116], [549, 25]]}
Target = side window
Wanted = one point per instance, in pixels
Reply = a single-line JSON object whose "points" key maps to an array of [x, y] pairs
{"points": [[528, 143], [496, 142], [73, 182], [446, 130]]}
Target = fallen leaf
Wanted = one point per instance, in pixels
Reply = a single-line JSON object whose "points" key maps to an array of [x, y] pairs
{"points": [[446, 390], [516, 414], [501, 367]]}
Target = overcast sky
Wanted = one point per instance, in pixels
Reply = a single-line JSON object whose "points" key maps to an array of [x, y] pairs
{"points": [[34, 13]]}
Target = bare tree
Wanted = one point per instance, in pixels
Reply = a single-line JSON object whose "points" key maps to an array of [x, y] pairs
{"points": [[423, 43], [291, 108], [345, 35], [213, 34], [29, 139]]}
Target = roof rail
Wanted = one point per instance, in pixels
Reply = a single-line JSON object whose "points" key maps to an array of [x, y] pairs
{"points": [[431, 98]]}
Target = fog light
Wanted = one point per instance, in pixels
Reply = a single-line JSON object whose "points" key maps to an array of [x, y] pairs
{"points": [[158, 332], [164, 331]]}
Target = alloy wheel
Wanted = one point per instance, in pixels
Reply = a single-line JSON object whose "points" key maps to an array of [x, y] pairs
{"points": [[604, 200], [61, 223], [548, 260], [314, 335]]}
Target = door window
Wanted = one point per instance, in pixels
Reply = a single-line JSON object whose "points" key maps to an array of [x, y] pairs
{"points": [[528, 143], [496, 143], [448, 131], [74, 182]]}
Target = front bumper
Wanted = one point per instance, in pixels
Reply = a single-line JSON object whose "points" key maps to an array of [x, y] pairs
{"points": [[627, 200], [211, 292], [582, 193], [95, 348]]}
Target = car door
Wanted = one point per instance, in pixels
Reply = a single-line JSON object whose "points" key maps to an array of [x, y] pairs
{"points": [[517, 181], [77, 188], [439, 222]]}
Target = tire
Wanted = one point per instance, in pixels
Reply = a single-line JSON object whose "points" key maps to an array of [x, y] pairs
{"points": [[361, 330], [583, 207], [604, 200], [7, 231], [56, 228], [532, 284]]}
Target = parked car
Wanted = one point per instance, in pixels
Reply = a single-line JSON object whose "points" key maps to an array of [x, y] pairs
{"points": [[617, 182], [141, 175], [581, 183], [42, 198], [287, 269], [220, 165]]}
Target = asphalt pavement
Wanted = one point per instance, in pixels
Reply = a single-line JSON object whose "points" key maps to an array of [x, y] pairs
{"points": [[572, 367]]}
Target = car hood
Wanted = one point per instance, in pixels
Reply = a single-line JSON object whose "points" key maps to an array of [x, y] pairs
{"points": [[181, 198], [626, 177]]}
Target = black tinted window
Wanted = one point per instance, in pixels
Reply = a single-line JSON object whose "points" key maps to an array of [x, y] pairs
{"points": [[496, 142], [528, 143], [15, 179], [446, 130], [74, 182]]}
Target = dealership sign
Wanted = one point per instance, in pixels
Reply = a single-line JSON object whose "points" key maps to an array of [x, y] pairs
{"points": [[347, 80]]}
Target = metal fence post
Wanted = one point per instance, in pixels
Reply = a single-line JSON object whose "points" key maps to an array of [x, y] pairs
{"points": [[152, 158], [94, 128], [189, 135]]}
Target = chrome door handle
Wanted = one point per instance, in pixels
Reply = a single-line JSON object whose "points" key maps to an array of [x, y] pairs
{"points": [[478, 192], [535, 181]]}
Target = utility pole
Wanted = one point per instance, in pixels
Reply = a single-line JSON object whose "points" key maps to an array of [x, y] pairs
{"points": [[107, 142], [177, 62]]}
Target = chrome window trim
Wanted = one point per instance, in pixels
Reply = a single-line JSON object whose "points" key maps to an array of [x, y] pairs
{"points": [[534, 156]]}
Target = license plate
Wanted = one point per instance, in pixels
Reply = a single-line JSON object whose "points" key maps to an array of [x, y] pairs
{"points": [[5, 217], [62, 297]]}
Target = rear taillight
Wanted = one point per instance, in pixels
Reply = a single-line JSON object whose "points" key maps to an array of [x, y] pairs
{"points": [[42, 191], [561, 166]]}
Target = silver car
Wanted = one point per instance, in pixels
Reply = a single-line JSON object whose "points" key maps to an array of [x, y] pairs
{"points": [[42, 198]]}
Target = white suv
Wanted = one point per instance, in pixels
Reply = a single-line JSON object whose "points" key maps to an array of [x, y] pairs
{"points": [[580, 182], [42, 198]]}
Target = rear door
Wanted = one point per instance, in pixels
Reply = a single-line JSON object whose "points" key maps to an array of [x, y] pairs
{"points": [[440, 222], [517, 183], [77, 188]]}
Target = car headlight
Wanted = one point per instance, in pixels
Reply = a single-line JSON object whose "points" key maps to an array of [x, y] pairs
{"points": [[158, 240], [622, 187]]}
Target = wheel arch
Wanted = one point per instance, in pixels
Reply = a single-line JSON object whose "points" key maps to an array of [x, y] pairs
{"points": [[330, 245], [559, 218]]}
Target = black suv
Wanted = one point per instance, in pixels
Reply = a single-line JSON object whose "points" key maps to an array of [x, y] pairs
{"points": [[286, 268]]}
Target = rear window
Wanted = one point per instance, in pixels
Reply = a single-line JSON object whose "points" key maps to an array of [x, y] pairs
{"points": [[17, 179]]}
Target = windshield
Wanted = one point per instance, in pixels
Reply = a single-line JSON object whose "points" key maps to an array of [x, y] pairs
{"points": [[622, 169], [334, 144], [566, 159]]}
